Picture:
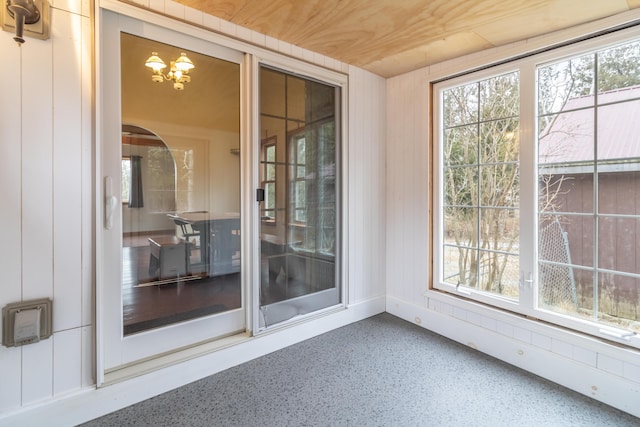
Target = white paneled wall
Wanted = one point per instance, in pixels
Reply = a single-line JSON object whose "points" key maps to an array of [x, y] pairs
{"points": [[407, 184], [606, 372], [46, 170], [366, 198], [47, 221], [10, 221]]}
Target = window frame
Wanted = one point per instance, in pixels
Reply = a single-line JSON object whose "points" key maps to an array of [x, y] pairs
{"points": [[527, 302], [125, 199], [294, 163], [265, 144]]}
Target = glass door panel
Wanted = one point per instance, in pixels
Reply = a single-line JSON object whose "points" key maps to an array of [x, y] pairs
{"points": [[298, 227], [181, 186], [170, 160]]}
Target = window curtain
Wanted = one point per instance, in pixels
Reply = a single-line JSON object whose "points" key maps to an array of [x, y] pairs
{"points": [[135, 196]]}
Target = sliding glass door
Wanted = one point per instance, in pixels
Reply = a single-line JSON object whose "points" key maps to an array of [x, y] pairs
{"points": [[299, 159], [171, 165]]}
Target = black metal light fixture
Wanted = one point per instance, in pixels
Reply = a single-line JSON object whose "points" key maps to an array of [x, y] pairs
{"points": [[26, 17]]}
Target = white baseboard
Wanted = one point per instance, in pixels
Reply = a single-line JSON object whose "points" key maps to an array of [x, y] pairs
{"points": [[598, 384], [95, 402]]}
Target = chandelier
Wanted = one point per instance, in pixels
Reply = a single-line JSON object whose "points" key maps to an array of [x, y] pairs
{"points": [[178, 70]]}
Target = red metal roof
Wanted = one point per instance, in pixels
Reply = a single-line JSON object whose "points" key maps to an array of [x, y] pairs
{"points": [[570, 137]]}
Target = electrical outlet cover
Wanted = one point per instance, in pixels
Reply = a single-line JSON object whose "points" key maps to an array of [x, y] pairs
{"points": [[9, 312]]}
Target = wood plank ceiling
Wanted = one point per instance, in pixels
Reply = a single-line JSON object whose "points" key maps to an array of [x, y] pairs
{"points": [[390, 37]]}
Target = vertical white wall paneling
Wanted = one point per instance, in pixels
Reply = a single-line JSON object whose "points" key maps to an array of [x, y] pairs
{"points": [[11, 390], [10, 221], [421, 179], [67, 361], [379, 167], [37, 138], [374, 205], [356, 101], [37, 372], [10, 169], [73, 6], [67, 169], [407, 192], [37, 225], [395, 206], [368, 186], [87, 173], [366, 198]]}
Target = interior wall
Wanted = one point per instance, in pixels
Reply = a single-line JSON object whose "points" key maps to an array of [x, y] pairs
{"points": [[604, 371], [46, 223], [49, 217], [207, 174]]}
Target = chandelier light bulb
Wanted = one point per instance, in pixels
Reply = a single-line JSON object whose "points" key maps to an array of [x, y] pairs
{"points": [[178, 70]]}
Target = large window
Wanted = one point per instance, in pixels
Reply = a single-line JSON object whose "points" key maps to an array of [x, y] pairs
{"points": [[538, 180]]}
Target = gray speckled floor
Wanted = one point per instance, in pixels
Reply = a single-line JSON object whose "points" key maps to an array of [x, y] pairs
{"points": [[382, 371]]}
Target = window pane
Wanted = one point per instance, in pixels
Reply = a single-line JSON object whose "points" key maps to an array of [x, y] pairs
{"points": [[499, 97], [126, 179], [499, 185], [560, 82], [460, 266], [461, 186], [270, 195], [618, 244], [618, 192], [271, 153], [499, 230], [300, 172], [271, 172], [461, 226], [460, 105], [499, 274], [566, 239], [300, 155], [566, 138], [618, 155], [619, 68], [619, 301], [300, 194], [499, 141], [566, 193], [461, 145], [557, 287]]}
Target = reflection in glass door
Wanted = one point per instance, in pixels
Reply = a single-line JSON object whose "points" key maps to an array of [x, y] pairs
{"points": [[299, 216], [180, 185]]}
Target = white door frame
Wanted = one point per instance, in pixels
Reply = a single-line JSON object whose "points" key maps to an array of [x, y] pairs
{"points": [[115, 350]]}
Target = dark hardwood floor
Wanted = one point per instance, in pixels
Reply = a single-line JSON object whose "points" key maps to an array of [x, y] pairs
{"points": [[149, 303]]}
